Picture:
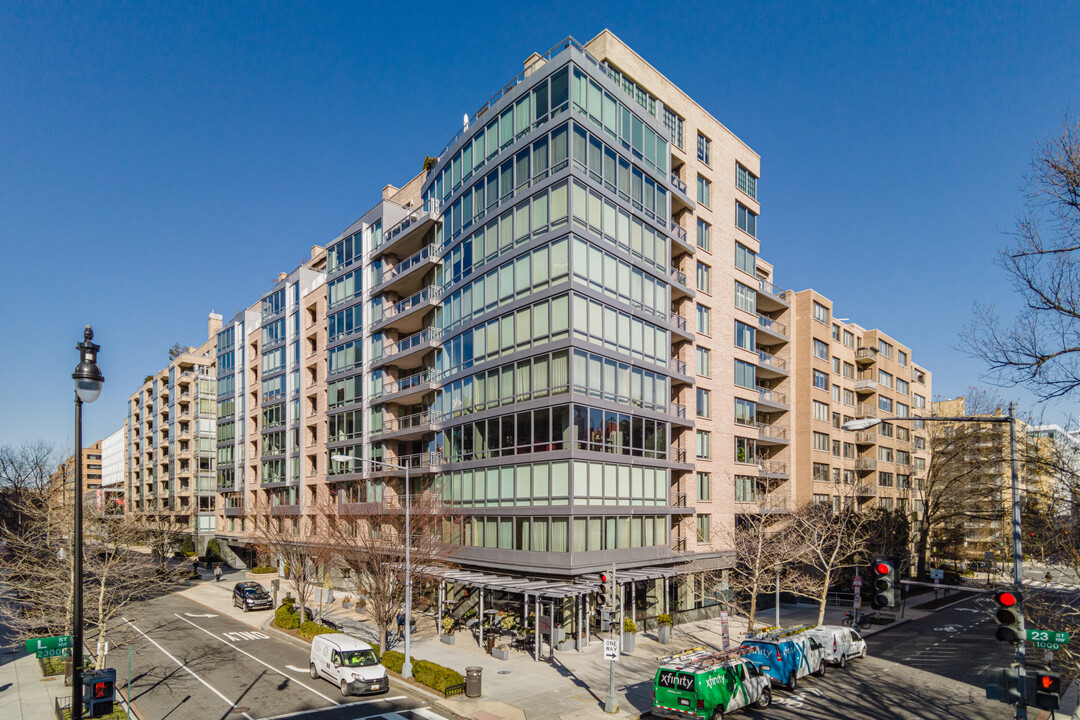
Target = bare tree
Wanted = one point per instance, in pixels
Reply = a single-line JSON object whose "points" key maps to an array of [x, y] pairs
{"points": [[822, 542], [159, 530], [25, 474], [300, 543], [1040, 349], [371, 545], [759, 548]]}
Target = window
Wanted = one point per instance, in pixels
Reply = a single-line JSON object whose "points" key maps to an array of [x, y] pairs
{"points": [[703, 144], [886, 429], [849, 450], [745, 450], [746, 219], [704, 191], [702, 361], [821, 411], [901, 409], [745, 375], [821, 441], [901, 357], [884, 349], [836, 333], [849, 339], [704, 451], [703, 235], [836, 445], [704, 276], [744, 412], [745, 181], [821, 472], [885, 378], [849, 371], [821, 349], [836, 365], [885, 479], [703, 528], [836, 393], [902, 386], [674, 125], [745, 298], [745, 259], [820, 499], [744, 336], [885, 454], [918, 401], [836, 421], [704, 482], [703, 320], [702, 403], [821, 313], [821, 380], [849, 397], [746, 489], [885, 403]]}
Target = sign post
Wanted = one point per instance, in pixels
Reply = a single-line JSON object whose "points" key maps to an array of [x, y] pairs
{"points": [[856, 601], [611, 653], [58, 646], [724, 637]]}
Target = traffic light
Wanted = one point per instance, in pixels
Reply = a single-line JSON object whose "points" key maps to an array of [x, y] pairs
{"points": [[99, 692], [1047, 690], [1009, 617], [603, 593], [883, 568], [1003, 684]]}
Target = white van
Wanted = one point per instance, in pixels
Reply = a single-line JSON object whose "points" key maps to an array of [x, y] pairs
{"points": [[349, 663], [840, 643]]}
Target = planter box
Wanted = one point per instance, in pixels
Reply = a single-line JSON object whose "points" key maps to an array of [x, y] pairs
{"points": [[628, 642], [664, 634], [564, 646], [448, 639], [500, 654]]}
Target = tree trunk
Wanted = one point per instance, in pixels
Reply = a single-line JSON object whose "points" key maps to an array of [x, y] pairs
{"points": [[753, 607], [383, 630], [822, 598], [921, 546], [100, 664]]}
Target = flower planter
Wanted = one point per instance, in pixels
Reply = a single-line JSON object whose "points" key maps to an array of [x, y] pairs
{"points": [[500, 653], [448, 639], [564, 646], [664, 633], [628, 642]]}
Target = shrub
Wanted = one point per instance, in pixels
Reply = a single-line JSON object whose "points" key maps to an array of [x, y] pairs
{"points": [[285, 617], [213, 550], [393, 660], [263, 570], [436, 677], [628, 625], [663, 619], [310, 629], [187, 547]]}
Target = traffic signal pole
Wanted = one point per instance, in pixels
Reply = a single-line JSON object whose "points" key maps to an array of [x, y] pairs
{"points": [[1018, 559]]}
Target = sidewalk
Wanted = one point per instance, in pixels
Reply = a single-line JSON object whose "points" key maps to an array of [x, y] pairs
{"points": [[24, 693]]}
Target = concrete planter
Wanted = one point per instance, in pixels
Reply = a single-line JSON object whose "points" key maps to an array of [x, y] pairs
{"points": [[448, 639], [628, 642], [564, 646], [664, 634], [500, 653]]}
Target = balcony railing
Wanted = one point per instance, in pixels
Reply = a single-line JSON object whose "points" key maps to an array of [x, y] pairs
{"points": [[866, 353], [866, 385], [678, 410], [410, 262], [866, 490], [414, 216], [678, 454], [767, 430], [769, 360], [866, 464], [772, 467], [678, 230], [405, 422], [772, 325], [678, 321], [769, 289], [678, 544], [866, 410], [768, 395], [410, 302], [679, 276], [408, 343], [410, 381], [679, 184], [678, 499], [678, 366], [866, 437]]}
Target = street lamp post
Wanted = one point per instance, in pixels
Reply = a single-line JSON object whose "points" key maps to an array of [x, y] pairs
{"points": [[406, 667], [1018, 556], [88, 380]]}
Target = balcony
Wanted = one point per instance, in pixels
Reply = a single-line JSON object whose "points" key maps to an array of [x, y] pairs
{"points": [[772, 434], [866, 410], [772, 469], [771, 298], [773, 398], [404, 237], [771, 331], [866, 490], [865, 385], [395, 276], [866, 437], [403, 315], [680, 324], [865, 356], [678, 544], [679, 235], [408, 350], [408, 425], [679, 456], [406, 389], [678, 368], [770, 365], [680, 197], [865, 464], [680, 284]]}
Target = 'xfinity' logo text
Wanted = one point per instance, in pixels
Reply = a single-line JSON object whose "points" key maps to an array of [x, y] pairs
{"points": [[676, 681]]}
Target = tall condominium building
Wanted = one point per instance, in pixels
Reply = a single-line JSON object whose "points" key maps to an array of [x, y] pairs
{"points": [[63, 479], [844, 372], [271, 369], [172, 439]]}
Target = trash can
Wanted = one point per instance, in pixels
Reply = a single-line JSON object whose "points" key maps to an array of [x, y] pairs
{"points": [[472, 681]]}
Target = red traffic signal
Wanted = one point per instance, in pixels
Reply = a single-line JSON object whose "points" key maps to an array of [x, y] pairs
{"points": [[603, 578], [1005, 598], [882, 569], [1008, 616], [1047, 691]]}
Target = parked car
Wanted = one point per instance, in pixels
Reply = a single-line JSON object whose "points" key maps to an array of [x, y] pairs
{"points": [[349, 663], [701, 683], [250, 595], [786, 655], [839, 643]]}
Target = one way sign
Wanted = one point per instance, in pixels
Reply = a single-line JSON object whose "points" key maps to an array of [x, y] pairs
{"points": [[611, 650]]}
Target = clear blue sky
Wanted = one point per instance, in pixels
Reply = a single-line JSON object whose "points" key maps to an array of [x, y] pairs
{"points": [[158, 161]]}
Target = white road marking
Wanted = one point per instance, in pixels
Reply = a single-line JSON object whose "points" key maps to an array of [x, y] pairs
{"points": [[214, 690], [245, 635], [267, 665], [427, 714], [346, 705], [295, 669], [204, 615]]}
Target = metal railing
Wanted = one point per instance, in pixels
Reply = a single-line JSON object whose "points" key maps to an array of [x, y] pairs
{"points": [[429, 208], [772, 325], [679, 276], [865, 464], [678, 454], [771, 431], [678, 365], [866, 384], [678, 410], [678, 230], [772, 467], [769, 395], [866, 437], [408, 343], [866, 353], [678, 320], [410, 381], [769, 360], [678, 499], [410, 262], [679, 544], [866, 490], [405, 422], [769, 289], [678, 183], [417, 298], [866, 410]]}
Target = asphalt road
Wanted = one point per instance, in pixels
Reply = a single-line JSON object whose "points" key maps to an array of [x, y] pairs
{"points": [[190, 663], [928, 668]]}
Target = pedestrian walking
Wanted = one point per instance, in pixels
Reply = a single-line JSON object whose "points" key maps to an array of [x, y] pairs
{"points": [[401, 623], [217, 573], [194, 567]]}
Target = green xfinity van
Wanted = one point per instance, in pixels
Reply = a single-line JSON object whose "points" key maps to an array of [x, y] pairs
{"points": [[704, 683]]}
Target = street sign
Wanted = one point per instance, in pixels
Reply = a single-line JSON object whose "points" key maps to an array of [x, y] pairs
{"points": [[858, 583], [1043, 645], [60, 642], [55, 652], [1048, 636], [724, 637], [611, 650], [938, 574]]}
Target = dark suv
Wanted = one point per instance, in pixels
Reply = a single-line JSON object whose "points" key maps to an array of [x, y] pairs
{"points": [[250, 595]]}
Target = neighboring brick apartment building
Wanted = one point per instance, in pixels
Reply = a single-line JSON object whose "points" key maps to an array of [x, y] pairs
{"points": [[64, 476], [171, 441]]}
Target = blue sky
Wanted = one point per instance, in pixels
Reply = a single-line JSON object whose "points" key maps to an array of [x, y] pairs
{"points": [[158, 161]]}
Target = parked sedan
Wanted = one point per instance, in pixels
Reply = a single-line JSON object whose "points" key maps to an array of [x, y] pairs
{"points": [[250, 595]]}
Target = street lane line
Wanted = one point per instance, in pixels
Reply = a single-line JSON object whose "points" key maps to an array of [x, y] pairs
{"points": [[425, 713], [339, 707], [271, 667], [295, 669], [230, 703]]}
